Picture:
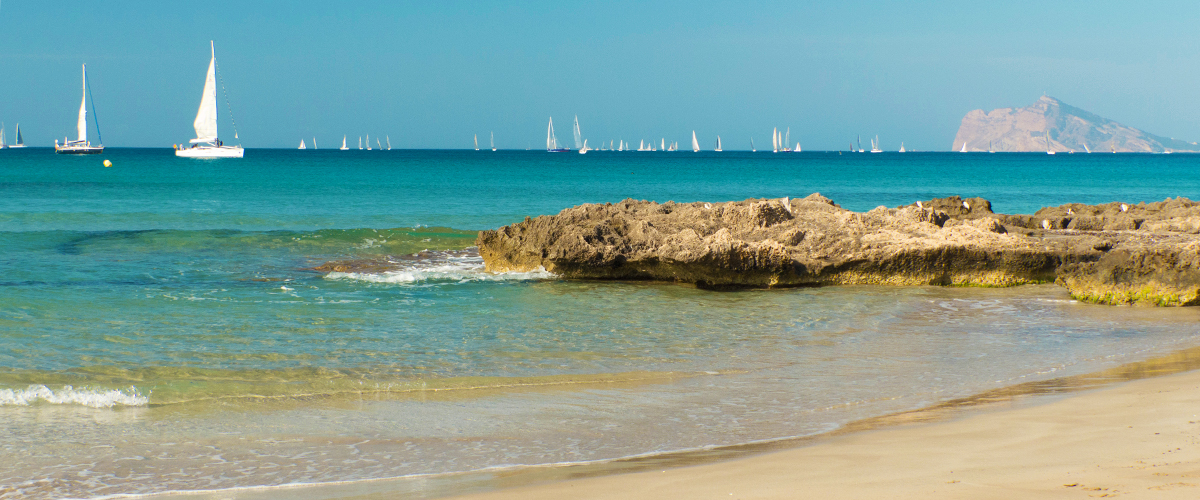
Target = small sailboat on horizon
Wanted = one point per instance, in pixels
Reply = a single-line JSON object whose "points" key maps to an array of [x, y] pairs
{"points": [[718, 144], [344, 148], [695, 143], [82, 146], [493, 142], [901, 146], [207, 143], [302, 146], [20, 140], [552, 140]]}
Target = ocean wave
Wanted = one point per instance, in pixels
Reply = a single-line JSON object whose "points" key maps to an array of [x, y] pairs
{"points": [[68, 395], [438, 266]]}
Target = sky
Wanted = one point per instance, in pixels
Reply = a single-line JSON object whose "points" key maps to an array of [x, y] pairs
{"points": [[435, 74]]}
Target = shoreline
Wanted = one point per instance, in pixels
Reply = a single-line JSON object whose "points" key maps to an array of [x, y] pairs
{"points": [[761, 463], [1124, 431]]}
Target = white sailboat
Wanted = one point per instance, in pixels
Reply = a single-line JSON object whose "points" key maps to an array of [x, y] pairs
{"points": [[551, 140], [2, 145], [344, 148], [787, 139], [20, 140], [81, 146], [752, 150], [207, 143], [360, 143], [314, 143], [695, 143], [583, 150], [378, 145], [875, 145], [368, 142], [718, 144], [1049, 150], [775, 140], [797, 148], [964, 148], [302, 146], [389, 142], [662, 144], [901, 147], [476, 142], [493, 143]]}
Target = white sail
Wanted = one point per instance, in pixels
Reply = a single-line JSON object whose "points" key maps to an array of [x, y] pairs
{"points": [[695, 143], [578, 136], [476, 142], [82, 125], [964, 148], [302, 146], [360, 142], [901, 147], [797, 150], [378, 145], [2, 145], [719, 143], [775, 140], [551, 141], [314, 142], [493, 142], [206, 117], [388, 137], [368, 142], [752, 148], [662, 144], [344, 142]]}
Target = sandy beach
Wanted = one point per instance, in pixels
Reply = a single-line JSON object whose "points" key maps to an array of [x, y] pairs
{"points": [[1134, 440]]}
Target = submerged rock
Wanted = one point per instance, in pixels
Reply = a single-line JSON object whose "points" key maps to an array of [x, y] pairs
{"points": [[812, 241]]}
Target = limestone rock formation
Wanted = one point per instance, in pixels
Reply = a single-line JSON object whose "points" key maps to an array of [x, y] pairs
{"points": [[1069, 129], [1115, 253]]}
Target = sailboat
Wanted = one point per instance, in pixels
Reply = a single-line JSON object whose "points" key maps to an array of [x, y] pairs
{"points": [[551, 140], [207, 144], [859, 139], [752, 150], [2, 145], [344, 148], [991, 149], [493, 142], [314, 142], [360, 143], [786, 139], [902, 147], [584, 149], [695, 143], [302, 146], [1085, 146], [20, 141], [718, 144], [368, 142], [1049, 150], [377, 144], [875, 145], [662, 144], [775, 140], [797, 148], [476, 142], [964, 148], [389, 142], [81, 146]]}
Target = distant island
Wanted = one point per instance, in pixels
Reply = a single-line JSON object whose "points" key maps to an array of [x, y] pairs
{"points": [[1069, 128]]}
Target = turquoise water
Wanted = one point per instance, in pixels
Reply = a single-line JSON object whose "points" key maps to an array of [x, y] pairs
{"points": [[162, 326]]}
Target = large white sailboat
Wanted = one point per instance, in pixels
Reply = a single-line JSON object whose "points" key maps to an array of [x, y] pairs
{"points": [[695, 143], [81, 146], [207, 143], [578, 135], [551, 140], [343, 148]]}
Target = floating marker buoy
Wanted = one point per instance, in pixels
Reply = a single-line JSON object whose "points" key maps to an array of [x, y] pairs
{"points": [[107, 163]]}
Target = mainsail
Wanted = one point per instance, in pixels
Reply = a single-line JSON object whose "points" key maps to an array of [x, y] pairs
{"points": [[695, 143], [551, 141], [578, 136], [82, 125], [206, 117]]}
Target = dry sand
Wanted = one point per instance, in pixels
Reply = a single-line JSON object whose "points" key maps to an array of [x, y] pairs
{"points": [[1137, 439]]}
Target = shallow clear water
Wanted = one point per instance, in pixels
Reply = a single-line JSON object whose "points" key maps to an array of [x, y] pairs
{"points": [[162, 327]]}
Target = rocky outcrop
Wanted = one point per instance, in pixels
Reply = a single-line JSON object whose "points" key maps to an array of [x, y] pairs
{"points": [[1146, 253], [1066, 127]]}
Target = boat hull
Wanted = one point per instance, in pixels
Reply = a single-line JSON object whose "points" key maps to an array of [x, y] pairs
{"points": [[211, 152], [79, 150]]}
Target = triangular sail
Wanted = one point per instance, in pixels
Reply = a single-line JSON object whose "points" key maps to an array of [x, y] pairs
{"points": [[551, 141], [343, 142], [578, 136], [695, 143], [718, 143], [82, 125], [206, 117], [21, 142], [302, 144]]}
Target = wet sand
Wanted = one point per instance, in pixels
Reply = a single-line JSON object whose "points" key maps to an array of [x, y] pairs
{"points": [[1138, 439]]}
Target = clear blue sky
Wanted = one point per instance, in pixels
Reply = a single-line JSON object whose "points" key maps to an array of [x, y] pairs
{"points": [[431, 74]]}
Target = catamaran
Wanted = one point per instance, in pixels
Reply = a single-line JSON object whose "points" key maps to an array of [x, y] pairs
{"points": [[695, 143], [302, 146], [82, 146], [207, 144], [343, 148], [552, 141]]}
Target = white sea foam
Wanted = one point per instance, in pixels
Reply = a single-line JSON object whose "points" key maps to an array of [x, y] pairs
{"points": [[67, 395], [460, 266]]}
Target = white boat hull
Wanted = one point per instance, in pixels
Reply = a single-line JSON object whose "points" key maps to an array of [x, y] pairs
{"points": [[211, 152]]}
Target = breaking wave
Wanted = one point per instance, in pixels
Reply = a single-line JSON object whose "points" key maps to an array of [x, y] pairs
{"points": [[67, 395], [437, 266]]}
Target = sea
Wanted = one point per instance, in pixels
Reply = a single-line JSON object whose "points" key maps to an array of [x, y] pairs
{"points": [[164, 327]]}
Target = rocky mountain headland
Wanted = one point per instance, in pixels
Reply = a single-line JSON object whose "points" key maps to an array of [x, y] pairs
{"points": [[1068, 128], [1116, 253]]}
